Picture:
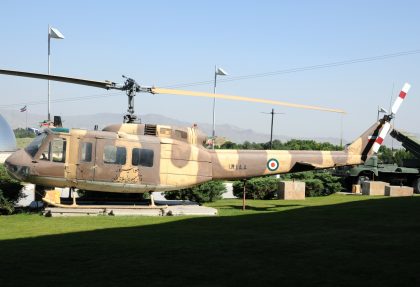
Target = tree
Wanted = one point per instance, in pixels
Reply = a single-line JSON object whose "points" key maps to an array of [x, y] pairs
{"points": [[23, 133], [229, 145], [293, 144], [401, 155], [387, 155]]}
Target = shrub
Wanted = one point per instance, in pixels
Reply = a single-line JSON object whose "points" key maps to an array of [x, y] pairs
{"points": [[257, 188], [313, 187], [10, 191], [332, 184], [6, 206], [206, 192]]}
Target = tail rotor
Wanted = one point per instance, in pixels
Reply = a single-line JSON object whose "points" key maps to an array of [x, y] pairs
{"points": [[387, 118]]}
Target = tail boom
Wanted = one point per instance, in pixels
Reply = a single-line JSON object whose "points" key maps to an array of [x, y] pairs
{"points": [[238, 164]]}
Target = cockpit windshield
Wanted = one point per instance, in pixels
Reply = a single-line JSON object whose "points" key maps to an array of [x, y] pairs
{"points": [[33, 147]]}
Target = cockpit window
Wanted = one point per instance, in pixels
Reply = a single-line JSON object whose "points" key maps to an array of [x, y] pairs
{"points": [[33, 147], [55, 151]]}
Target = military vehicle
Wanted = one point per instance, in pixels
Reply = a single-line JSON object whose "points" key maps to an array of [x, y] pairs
{"points": [[137, 158], [412, 144], [407, 174], [374, 169]]}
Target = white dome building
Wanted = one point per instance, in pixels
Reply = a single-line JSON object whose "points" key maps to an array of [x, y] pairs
{"points": [[7, 140]]}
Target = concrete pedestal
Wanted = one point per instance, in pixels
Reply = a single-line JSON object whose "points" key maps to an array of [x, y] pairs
{"points": [[356, 188], [3, 156], [398, 191], [174, 210], [374, 187], [291, 190]]}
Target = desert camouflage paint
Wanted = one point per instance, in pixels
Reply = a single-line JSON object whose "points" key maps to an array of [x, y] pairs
{"points": [[139, 158]]}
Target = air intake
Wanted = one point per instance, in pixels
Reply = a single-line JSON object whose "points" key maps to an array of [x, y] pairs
{"points": [[150, 130]]}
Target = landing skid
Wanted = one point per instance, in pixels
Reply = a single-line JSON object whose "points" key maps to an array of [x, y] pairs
{"points": [[99, 206], [52, 198]]}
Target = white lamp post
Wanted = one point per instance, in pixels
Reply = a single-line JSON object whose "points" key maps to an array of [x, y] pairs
{"points": [[55, 34], [217, 72]]}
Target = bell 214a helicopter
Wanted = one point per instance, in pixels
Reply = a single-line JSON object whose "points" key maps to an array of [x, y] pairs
{"points": [[136, 158]]}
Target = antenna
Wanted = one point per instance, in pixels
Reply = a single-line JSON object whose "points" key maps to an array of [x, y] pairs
{"points": [[390, 105]]}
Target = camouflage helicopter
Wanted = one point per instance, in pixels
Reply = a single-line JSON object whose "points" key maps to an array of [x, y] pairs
{"points": [[136, 158]]}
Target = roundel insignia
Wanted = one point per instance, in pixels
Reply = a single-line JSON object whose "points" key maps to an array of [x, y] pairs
{"points": [[272, 164]]}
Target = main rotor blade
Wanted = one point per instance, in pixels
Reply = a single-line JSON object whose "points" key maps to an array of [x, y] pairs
{"points": [[99, 84], [239, 98]]}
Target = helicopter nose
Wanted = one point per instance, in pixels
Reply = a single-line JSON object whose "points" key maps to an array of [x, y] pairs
{"points": [[17, 165]]}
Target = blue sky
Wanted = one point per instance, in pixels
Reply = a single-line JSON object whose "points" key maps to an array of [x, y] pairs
{"points": [[167, 43]]}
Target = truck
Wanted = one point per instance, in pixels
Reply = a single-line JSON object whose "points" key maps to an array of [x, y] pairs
{"points": [[407, 174]]}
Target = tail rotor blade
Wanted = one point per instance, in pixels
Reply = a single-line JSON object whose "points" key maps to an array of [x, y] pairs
{"points": [[379, 140], [400, 98], [239, 98]]}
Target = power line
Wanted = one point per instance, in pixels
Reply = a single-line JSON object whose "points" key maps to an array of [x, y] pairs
{"points": [[302, 69], [72, 99]]}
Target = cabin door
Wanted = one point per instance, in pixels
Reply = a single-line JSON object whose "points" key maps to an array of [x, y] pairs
{"points": [[111, 161], [87, 159]]}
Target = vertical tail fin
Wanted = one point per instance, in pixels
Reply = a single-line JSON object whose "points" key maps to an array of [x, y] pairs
{"points": [[362, 146]]}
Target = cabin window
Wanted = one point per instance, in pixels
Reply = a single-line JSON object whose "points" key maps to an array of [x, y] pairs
{"points": [[58, 150], [114, 154], [165, 132], [143, 157], [181, 134], [86, 155]]}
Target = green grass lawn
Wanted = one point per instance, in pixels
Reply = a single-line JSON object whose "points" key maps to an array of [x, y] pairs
{"points": [[23, 142], [330, 241]]}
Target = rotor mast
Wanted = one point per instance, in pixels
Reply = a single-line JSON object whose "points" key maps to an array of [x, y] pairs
{"points": [[131, 87]]}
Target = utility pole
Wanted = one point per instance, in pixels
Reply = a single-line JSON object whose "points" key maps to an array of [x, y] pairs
{"points": [[272, 123]]}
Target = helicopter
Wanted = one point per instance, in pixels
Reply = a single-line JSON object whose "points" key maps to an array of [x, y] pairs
{"points": [[133, 157]]}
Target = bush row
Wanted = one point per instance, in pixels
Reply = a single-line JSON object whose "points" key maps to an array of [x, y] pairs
{"points": [[206, 192], [317, 184]]}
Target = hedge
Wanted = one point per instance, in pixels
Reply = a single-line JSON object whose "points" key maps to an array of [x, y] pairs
{"points": [[206, 192]]}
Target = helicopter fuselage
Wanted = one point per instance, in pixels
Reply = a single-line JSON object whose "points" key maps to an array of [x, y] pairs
{"points": [[138, 158]]}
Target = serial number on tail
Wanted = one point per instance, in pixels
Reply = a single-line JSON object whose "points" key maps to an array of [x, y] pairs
{"points": [[233, 166]]}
